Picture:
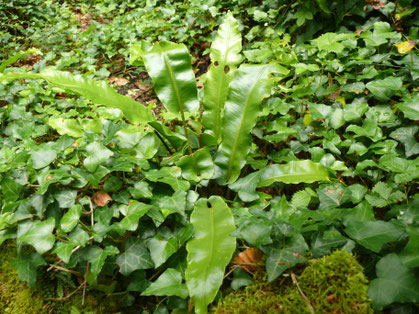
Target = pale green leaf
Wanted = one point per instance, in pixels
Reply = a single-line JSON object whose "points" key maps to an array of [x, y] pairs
{"points": [[210, 251]]}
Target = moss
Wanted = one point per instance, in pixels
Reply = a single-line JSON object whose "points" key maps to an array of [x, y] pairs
{"points": [[331, 284], [15, 296]]}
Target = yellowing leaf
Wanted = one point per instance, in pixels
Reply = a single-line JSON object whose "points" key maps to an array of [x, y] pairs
{"points": [[405, 46]]}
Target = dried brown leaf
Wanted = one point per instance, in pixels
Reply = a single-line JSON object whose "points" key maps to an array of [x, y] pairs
{"points": [[100, 198]]}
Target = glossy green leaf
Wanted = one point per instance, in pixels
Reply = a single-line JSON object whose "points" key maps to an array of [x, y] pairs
{"points": [[200, 160], [136, 256], [97, 153], [39, 235], [246, 187], [64, 251], [394, 283], [26, 265], [250, 85], [169, 66], [17, 56], [332, 42], [66, 198], [98, 92], [323, 5], [134, 212], [406, 136], [210, 251], [385, 88], [97, 257], [169, 283], [71, 218], [410, 254], [225, 57], [67, 126], [294, 172], [161, 249], [43, 157], [283, 258], [374, 234]]}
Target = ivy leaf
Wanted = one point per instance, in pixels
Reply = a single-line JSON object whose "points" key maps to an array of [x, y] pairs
{"points": [[64, 251], [26, 265], [97, 256], [130, 222], [405, 46], [42, 158], [409, 255], [39, 235], [406, 135], [136, 256], [410, 107], [71, 218], [66, 198], [321, 244], [173, 204], [67, 126], [385, 88], [246, 187], [198, 166], [141, 189], [97, 153], [161, 249], [331, 42], [374, 234], [394, 283], [169, 283], [281, 259]]}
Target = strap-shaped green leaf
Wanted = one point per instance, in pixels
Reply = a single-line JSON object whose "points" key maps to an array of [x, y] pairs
{"points": [[298, 171], [250, 85], [169, 66], [225, 57], [209, 251], [98, 92]]}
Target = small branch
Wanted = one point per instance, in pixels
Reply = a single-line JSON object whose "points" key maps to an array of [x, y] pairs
{"points": [[68, 296], [85, 283], [163, 141], [294, 280], [65, 270]]}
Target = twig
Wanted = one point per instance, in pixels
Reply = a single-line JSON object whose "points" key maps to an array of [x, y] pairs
{"points": [[67, 296], [85, 283], [294, 280], [65, 270]]}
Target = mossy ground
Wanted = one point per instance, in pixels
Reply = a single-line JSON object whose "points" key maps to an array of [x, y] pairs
{"points": [[17, 298], [331, 284]]}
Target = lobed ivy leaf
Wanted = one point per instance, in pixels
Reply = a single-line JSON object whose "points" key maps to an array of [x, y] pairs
{"points": [[161, 249], [96, 154], [39, 235], [43, 157], [169, 283], [332, 42], [280, 259], [394, 283], [136, 256], [374, 234], [26, 266], [70, 219]]}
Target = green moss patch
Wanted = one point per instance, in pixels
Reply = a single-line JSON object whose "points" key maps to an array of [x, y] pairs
{"points": [[331, 284]]}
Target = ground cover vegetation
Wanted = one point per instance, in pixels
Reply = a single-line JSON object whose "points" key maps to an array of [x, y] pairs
{"points": [[166, 153]]}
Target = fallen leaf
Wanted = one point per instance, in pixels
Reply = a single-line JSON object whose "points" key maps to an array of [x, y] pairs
{"points": [[249, 259], [405, 47], [100, 198]]}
